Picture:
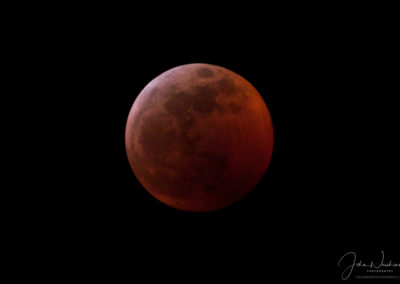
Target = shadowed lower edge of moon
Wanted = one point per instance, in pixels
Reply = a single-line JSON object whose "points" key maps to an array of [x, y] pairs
{"points": [[193, 201]]}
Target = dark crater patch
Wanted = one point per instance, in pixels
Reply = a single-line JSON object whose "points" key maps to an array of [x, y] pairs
{"points": [[243, 96], [205, 73], [201, 99], [226, 86], [235, 108], [178, 104], [187, 123], [154, 139], [204, 101], [174, 87], [210, 170], [204, 169]]}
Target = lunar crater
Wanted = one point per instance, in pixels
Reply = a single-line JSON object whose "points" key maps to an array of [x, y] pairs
{"points": [[205, 73], [235, 108]]}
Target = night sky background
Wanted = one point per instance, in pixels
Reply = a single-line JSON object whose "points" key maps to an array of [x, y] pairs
{"points": [[329, 81]]}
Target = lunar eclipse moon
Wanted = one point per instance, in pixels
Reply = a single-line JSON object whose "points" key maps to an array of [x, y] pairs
{"points": [[199, 137]]}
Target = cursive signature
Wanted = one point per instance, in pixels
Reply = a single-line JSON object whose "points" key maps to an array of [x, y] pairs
{"points": [[354, 262]]}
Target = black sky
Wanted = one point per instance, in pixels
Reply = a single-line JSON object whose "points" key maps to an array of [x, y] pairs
{"points": [[329, 82]]}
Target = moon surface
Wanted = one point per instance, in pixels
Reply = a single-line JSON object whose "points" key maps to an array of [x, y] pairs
{"points": [[199, 137]]}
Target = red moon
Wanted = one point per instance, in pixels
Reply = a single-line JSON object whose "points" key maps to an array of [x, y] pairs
{"points": [[199, 137]]}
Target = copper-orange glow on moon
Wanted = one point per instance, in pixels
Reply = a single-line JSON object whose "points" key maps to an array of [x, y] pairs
{"points": [[199, 137]]}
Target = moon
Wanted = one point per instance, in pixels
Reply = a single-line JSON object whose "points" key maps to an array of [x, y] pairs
{"points": [[199, 137]]}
